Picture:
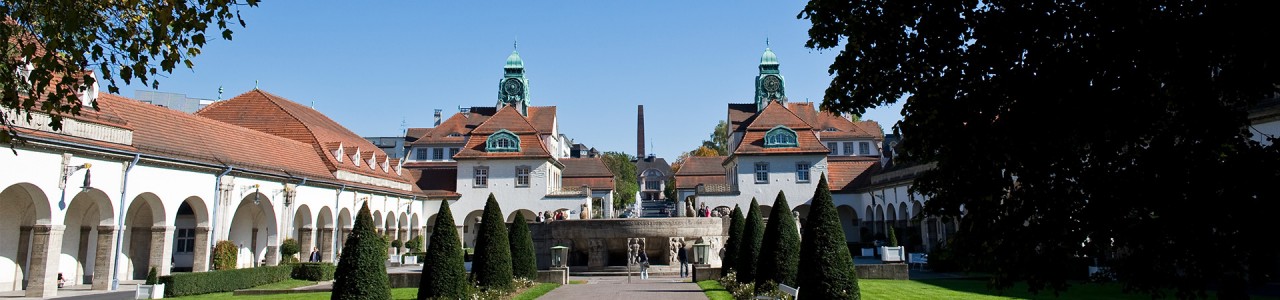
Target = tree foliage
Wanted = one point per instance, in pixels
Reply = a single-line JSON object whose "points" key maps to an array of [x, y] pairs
{"points": [[749, 247], [826, 268], [444, 276], [491, 267], [57, 46], [624, 178], [893, 237], [733, 243], [996, 91], [362, 271], [780, 249], [717, 141], [524, 263], [225, 255], [288, 248]]}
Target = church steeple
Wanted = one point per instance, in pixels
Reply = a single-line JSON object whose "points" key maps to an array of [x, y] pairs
{"points": [[513, 88], [769, 84]]}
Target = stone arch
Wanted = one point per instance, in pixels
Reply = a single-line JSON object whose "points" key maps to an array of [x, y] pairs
{"points": [[191, 236], [253, 230], [345, 223], [324, 237], [917, 209], [904, 216], [25, 220], [303, 231], [378, 225], [145, 237], [529, 216], [403, 228], [389, 225], [879, 220], [469, 228], [850, 223], [89, 226]]}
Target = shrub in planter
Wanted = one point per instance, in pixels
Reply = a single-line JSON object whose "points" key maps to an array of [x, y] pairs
{"points": [[414, 244], [152, 277], [224, 255], [749, 249], [523, 262], [396, 244], [288, 249], [362, 271], [893, 238]]}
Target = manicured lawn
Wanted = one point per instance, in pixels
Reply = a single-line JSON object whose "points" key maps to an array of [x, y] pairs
{"points": [[284, 285], [536, 291], [714, 290], [977, 289]]}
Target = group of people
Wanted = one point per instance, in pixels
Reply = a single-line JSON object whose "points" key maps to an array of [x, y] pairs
{"points": [[642, 260], [543, 217]]}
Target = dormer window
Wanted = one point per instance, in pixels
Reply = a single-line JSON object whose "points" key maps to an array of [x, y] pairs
{"points": [[502, 141], [829, 129], [780, 137], [337, 153], [455, 134]]}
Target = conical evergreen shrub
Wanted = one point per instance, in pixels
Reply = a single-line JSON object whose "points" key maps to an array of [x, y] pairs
{"points": [[826, 269], [444, 276], [523, 262], [362, 272], [780, 250], [491, 266], [893, 237], [749, 248], [736, 223]]}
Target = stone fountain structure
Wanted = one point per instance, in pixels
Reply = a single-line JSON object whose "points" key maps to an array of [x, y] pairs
{"points": [[596, 245]]}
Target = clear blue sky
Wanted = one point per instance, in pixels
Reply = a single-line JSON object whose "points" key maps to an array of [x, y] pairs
{"points": [[370, 65]]}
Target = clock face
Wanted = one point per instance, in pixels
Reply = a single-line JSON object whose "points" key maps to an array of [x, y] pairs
{"points": [[513, 86], [772, 83]]}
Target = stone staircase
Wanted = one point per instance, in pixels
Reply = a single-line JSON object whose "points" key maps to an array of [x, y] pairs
{"points": [[654, 208]]}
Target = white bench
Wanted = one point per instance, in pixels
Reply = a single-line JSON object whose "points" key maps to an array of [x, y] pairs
{"points": [[790, 291]]}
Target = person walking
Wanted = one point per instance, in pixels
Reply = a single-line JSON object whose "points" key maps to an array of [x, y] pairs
{"points": [[644, 265], [315, 255], [683, 256]]}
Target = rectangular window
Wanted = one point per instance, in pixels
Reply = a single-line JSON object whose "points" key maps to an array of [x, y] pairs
{"points": [[420, 153], [834, 147], [437, 154], [452, 152], [802, 172], [653, 185], [864, 148], [184, 241], [762, 172], [481, 177], [848, 148], [522, 176]]}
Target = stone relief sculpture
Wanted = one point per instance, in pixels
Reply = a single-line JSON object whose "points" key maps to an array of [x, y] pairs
{"points": [[673, 246]]}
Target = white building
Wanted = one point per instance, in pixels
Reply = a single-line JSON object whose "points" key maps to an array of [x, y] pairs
{"points": [[134, 186], [513, 151]]}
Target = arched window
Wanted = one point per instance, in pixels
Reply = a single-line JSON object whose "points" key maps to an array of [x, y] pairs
{"points": [[780, 136], [502, 141]]}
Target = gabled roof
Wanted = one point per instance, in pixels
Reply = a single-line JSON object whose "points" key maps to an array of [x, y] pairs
{"points": [[652, 162], [585, 167], [702, 165], [275, 115], [772, 116], [170, 133], [510, 120]]}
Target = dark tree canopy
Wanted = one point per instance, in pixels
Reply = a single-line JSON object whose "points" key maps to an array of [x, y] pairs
{"points": [[780, 250], [444, 276], [1115, 130], [733, 243], [53, 45], [491, 266], [362, 271]]}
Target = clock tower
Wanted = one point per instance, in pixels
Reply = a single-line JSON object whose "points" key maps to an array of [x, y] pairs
{"points": [[769, 84], [513, 88]]}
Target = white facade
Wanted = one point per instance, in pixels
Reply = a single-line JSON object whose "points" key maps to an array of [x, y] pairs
{"points": [[782, 176], [542, 194]]}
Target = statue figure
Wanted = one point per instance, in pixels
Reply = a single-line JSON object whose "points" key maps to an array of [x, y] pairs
{"points": [[584, 215], [688, 209]]}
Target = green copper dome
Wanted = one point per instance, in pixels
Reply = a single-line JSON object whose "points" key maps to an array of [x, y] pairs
{"points": [[514, 61], [768, 58]]}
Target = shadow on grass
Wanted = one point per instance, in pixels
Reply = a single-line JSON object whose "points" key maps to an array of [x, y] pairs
{"points": [[1075, 290]]}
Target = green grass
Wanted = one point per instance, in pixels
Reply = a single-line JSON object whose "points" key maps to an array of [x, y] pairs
{"points": [[536, 291], [977, 289], [284, 285], [577, 282], [714, 290]]}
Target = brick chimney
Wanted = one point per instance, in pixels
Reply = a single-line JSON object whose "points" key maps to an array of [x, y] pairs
{"points": [[640, 132]]}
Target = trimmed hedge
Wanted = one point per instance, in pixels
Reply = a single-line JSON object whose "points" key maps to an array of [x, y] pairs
{"points": [[362, 271], [313, 271], [780, 251], [492, 267], [185, 284]]}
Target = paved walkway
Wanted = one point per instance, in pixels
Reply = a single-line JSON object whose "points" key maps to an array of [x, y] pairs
{"points": [[617, 288]]}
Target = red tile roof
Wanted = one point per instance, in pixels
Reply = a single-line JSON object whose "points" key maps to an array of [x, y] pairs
{"points": [[774, 115], [585, 167], [595, 183], [692, 181], [700, 170], [845, 173], [266, 112], [506, 119], [436, 181]]}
